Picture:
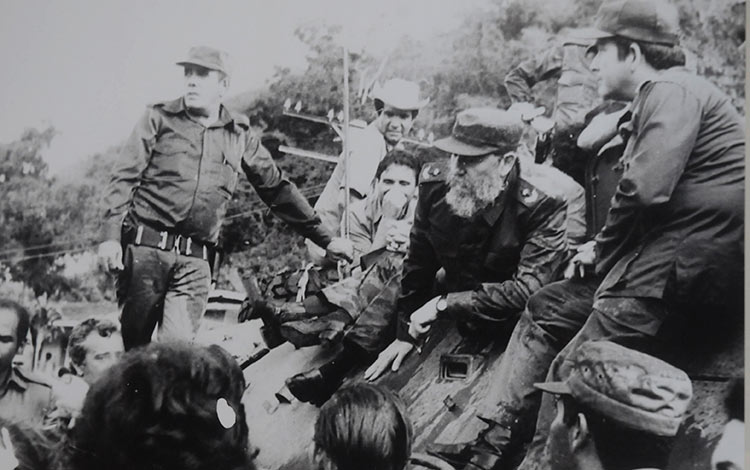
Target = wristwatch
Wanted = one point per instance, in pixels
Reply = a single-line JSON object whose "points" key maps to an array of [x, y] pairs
{"points": [[442, 304]]}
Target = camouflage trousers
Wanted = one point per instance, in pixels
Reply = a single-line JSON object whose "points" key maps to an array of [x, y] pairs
{"points": [[370, 299]]}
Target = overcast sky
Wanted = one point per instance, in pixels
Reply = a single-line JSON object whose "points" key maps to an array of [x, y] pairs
{"points": [[89, 67]]}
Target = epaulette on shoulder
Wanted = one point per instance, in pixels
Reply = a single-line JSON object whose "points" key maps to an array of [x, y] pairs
{"points": [[32, 378], [433, 172]]}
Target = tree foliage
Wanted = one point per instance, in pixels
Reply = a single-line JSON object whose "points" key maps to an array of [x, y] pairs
{"points": [[457, 69]]}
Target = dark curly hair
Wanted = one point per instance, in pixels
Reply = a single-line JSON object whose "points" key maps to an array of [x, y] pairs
{"points": [[364, 426], [76, 351], [157, 409]]}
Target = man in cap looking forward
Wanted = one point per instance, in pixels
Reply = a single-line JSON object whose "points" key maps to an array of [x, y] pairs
{"points": [[498, 235], [397, 104], [168, 196], [618, 409]]}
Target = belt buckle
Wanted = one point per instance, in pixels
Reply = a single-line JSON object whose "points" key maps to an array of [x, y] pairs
{"points": [[163, 240]]}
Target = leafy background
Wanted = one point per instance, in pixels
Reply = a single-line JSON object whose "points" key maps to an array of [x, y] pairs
{"points": [[47, 225]]}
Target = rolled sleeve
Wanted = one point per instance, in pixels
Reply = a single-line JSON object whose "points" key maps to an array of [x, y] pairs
{"points": [[520, 80]]}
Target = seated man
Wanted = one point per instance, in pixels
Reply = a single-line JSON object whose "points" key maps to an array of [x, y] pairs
{"points": [[379, 232], [497, 235], [23, 397], [511, 401], [617, 410], [397, 104]]}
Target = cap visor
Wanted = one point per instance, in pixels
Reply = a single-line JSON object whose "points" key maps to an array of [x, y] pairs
{"points": [[558, 388], [199, 63], [587, 34], [452, 145]]}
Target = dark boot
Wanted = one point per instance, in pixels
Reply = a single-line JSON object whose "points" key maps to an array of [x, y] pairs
{"points": [[491, 450], [312, 387], [309, 332], [318, 385]]}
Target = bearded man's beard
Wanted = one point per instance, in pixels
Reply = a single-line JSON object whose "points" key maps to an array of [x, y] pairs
{"points": [[468, 196]]}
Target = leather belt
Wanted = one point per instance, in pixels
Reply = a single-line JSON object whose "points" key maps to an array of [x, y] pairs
{"points": [[163, 240]]}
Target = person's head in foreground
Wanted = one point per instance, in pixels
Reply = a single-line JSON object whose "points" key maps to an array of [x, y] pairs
{"points": [[362, 426], [397, 104], [94, 346], [14, 325], [619, 409], [632, 40], [164, 406], [483, 145]]}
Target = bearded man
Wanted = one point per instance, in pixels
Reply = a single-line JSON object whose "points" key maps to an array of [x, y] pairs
{"points": [[498, 232]]}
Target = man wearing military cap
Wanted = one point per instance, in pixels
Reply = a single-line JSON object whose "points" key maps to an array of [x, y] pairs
{"points": [[168, 197], [671, 248], [619, 409], [498, 234], [397, 103]]}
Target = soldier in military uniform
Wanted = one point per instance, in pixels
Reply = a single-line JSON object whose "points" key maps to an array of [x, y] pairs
{"points": [[497, 235], [23, 397], [168, 196]]}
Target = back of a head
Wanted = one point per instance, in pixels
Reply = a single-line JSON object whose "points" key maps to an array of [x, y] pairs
{"points": [[164, 406], [363, 426]]}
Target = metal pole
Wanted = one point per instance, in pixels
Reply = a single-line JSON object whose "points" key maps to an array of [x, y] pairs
{"points": [[346, 224]]}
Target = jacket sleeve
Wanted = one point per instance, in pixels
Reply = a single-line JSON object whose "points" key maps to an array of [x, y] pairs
{"points": [[281, 195], [540, 259], [126, 172], [419, 268], [666, 120], [520, 80]]}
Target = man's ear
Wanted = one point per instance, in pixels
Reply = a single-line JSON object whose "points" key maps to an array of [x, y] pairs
{"points": [[580, 432], [634, 54], [507, 161]]}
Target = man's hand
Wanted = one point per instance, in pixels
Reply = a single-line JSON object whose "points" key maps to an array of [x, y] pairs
{"points": [[110, 255], [391, 357], [393, 203], [340, 249], [586, 256], [421, 320], [398, 235]]}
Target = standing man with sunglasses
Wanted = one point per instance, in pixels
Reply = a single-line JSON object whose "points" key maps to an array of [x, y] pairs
{"points": [[498, 234]]}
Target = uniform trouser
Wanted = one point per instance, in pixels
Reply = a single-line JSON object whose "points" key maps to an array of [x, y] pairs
{"points": [[552, 317], [631, 321], [371, 302], [161, 288]]}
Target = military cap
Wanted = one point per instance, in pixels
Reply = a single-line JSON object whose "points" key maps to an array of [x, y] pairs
{"points": [[207, 57], [654, 21], [480, 131], [634, 389]]}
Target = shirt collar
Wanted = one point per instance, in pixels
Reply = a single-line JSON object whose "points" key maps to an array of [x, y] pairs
{"points": [[492, 213], [226, 117]]}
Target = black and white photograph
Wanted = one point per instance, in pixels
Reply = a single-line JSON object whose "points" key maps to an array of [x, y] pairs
{"points": [[347, 235]]}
